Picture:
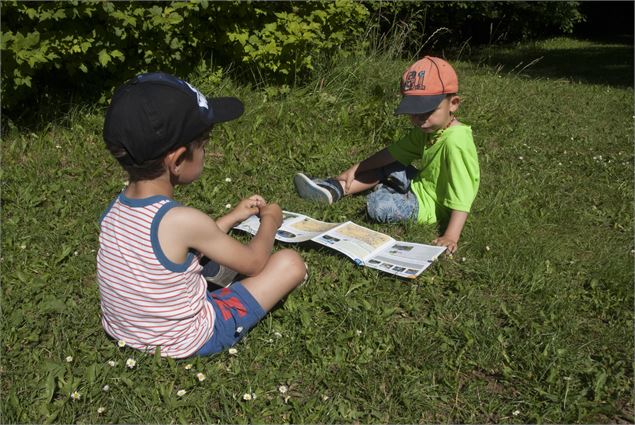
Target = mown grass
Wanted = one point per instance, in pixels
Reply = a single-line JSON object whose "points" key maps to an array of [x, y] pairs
{"points": [[531, 321]]}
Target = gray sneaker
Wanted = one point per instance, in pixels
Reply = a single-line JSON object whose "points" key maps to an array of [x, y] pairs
{"points": [[320, 190], [217, 274]]}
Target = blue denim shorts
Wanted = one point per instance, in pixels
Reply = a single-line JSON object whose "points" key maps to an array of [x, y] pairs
{"points": [[392, 200], [237, 311]]}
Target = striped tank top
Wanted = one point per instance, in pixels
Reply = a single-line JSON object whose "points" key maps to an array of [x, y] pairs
{"points": [[147, 300]]}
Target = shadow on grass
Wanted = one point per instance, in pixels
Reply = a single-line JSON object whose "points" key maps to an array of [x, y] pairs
{"points": [[609, 64]]}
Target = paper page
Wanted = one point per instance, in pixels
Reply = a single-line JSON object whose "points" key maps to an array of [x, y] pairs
{"points": [[406, 259], [305, 228], [295, 227], [251, 225], [354, 241]]}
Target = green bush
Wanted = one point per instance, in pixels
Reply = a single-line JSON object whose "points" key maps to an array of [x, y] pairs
{"points": [[53, 49]]}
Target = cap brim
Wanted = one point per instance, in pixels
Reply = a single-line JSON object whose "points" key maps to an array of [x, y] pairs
{"points": [[412, 105], [225, 108]]}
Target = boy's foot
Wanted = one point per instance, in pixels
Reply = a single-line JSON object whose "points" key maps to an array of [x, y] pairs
{"points": [[320, 190], [217, 274]]}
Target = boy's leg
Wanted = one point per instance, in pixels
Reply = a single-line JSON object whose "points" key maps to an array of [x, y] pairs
{"points": [[331, 190], [320, 190], [386, 205], [242, 305], [364, 181], [284, 271], [393, 201]]}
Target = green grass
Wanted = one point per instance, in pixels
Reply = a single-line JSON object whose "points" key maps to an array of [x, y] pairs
{"points": [[531, 321]]}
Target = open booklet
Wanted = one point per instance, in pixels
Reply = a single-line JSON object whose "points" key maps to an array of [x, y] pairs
{"points": [[364, 246]]}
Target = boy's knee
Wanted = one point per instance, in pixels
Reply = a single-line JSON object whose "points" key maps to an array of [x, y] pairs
{"points": [[293, 264], [378, 208]]}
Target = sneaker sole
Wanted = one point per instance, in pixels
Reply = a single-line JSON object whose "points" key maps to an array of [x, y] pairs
{"points": [[307, 189]]}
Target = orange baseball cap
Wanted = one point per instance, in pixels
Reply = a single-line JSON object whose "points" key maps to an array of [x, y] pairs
{"points": [[425, 84]]}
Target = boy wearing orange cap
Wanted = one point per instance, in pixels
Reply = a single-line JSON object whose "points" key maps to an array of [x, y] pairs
{"points": [[445, 187]]}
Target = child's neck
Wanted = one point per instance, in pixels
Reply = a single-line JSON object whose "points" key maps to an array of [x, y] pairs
{"points": [[147, 188], [453, 121]]}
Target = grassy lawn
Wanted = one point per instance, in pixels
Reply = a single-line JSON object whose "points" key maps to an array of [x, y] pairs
{"points": [[531, 321]]}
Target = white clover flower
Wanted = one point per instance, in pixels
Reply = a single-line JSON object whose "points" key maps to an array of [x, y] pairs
{"points": [[283, 389], [58, 147], [181, 393], [200, 376], [101, 410], [105, 388], [463, 259], [247, 397], [325, 397], [112, 363], [228, 179], [131, 363], [75, 396], [358, 332], [69, 359], [188, 366], [121, 343], [228, 206], [521, 158], [232, 351], [23, 246], [516, 412], [487, 248]]}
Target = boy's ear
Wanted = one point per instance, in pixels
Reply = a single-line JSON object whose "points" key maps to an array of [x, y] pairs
{"points": [[174, 159], [455, 101]]}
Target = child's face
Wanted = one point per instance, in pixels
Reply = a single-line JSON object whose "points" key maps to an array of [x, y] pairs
{"points": [[438, 118]]}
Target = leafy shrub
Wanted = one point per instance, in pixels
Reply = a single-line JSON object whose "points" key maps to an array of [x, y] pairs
{"points": [[53, 49]]}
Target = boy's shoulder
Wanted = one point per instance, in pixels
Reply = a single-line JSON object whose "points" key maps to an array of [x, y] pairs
{"points": [[184, 216], [459, 136]]}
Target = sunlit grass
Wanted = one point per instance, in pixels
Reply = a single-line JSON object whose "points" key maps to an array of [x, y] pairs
{"points": [[531, 321]]}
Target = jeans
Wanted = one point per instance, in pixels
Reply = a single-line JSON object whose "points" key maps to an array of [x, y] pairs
{"points": [[392, 200]]}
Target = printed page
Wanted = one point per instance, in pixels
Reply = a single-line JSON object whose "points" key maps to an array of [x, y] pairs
{"points": [[406, 259], [295, 227], [354, 241]]}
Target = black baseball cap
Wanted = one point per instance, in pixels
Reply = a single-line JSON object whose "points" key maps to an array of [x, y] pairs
{"points": [[155, 112]]}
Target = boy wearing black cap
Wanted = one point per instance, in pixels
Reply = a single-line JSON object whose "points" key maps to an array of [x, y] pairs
{"points": [[444, 189], [153, 294]]}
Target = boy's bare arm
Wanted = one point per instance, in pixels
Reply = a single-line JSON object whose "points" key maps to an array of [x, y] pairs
{"points": [[450, 238], [183, 228]]}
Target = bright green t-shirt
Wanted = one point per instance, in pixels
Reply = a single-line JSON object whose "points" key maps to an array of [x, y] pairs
{"points": [[449, 175]]}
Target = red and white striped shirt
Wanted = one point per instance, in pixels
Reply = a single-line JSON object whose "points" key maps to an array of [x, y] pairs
{"points": [[147, 300]]}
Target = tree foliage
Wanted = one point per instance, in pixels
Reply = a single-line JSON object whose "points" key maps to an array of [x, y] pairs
{"points": [[93, 45]]}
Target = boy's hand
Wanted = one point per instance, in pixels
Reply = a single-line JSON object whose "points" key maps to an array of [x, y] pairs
{"points": [[248, 207], [273, 212], [348, 176], [450, 243]]}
